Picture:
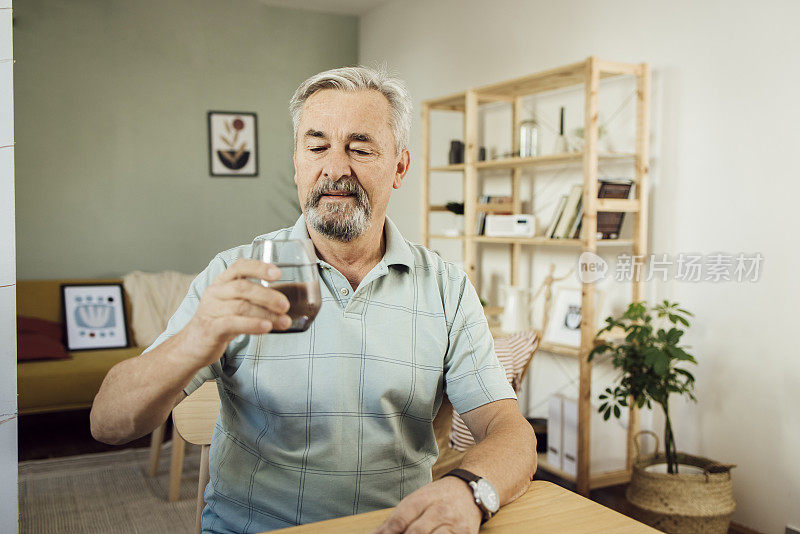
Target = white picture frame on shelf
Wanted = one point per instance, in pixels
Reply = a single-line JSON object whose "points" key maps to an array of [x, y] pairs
{"points": [[564, 324]]}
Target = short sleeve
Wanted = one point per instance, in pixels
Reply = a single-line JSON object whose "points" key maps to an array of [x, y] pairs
{"points": [[183, 315], [473, 374]]}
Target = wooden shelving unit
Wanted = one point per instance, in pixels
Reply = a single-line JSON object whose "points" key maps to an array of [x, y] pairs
{"points": [[587, 73]]}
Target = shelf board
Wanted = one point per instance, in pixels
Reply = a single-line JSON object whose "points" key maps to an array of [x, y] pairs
{"points": [[528, 241], [448, 168], [443, 236], [596, 480], [536, 241], [615, 335], [551, 80], [454, 102], [617, 204], [561, 350], [541, 82], [457, 101], [437, 207], [549, 159], [544, 241], [496, 331], [609, 478]]}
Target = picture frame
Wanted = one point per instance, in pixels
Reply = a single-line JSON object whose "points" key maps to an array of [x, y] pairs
{"points": [[94, 316], [232, 144], [564, 325]]}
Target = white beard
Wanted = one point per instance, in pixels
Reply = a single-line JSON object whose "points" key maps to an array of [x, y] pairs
{"points": [[339, 220]]}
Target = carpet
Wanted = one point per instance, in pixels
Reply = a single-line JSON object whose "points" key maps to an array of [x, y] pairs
{"points": [[107, 493]]}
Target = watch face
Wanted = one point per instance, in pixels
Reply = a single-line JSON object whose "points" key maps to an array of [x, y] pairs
{"points": [[488, 496]]}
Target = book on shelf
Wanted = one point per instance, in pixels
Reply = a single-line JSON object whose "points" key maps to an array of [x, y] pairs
{"points": [[574, 230], [480, 217], [570, 212], [556, 216], [567, 219]]}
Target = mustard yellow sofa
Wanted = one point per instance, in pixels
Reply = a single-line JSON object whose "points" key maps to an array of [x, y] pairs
{"points": [[58, 385]]}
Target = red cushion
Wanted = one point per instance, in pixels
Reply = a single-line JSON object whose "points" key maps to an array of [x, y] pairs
{"points": [[43, 327], [39, 347]]}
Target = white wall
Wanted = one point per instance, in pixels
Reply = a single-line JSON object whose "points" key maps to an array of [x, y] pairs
{"points": [[724, 129], [8, 351]]}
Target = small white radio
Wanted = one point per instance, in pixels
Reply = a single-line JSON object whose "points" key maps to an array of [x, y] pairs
{"points": [[510, 226]]}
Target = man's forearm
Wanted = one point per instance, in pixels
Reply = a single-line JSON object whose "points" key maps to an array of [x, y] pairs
{"points": [[138, 394], [506, 457]]}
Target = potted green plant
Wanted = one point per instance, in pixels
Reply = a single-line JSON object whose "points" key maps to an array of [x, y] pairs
{"points": [[688, 492]]}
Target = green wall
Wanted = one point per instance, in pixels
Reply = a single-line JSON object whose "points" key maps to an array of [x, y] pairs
{"points": [[110, 108]]}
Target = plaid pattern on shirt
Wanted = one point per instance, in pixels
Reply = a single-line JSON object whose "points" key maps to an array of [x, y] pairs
{"points": [[337, 420]]}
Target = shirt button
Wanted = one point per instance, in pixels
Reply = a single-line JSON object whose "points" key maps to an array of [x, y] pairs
{"points": [[344, 291]]}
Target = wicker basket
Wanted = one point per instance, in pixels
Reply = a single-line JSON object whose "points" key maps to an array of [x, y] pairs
{"points": [[682, 503]]}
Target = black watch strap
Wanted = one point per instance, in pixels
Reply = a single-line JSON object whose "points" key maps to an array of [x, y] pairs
{"points": [[469, 477], [463, 474]]}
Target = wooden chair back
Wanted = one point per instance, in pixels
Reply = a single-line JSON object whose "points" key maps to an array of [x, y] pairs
{"points": [[194, 419]]}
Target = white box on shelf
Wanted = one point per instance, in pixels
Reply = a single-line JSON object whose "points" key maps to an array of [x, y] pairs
{"points": [[510, 225], [569, 436], [554, 431], [608, 439]]}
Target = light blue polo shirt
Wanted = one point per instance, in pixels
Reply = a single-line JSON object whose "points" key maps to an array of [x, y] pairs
{"points": [[337, 420]]}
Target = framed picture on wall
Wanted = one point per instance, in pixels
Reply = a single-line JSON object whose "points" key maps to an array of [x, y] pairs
{"points": [[232, 143], [94, 316]]}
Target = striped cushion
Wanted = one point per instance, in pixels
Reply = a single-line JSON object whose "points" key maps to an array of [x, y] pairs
{"points": [[514, 352]]}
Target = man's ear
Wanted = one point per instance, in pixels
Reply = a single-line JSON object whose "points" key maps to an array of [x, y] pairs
{"points": [[294, 161], [401, 169]]}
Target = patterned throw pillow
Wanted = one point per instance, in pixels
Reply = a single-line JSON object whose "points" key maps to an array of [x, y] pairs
{"points": [[514, 352]]}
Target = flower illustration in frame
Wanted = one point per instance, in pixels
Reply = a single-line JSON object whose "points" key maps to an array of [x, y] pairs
{"points": [[233, 143]]}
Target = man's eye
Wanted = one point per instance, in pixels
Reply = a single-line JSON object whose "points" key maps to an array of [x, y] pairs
{"points": [[317, 148], [361, 152]]}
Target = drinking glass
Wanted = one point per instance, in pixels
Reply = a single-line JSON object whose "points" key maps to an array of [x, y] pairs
{"points": [[299, 282]]}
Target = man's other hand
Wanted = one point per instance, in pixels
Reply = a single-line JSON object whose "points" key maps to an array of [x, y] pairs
{"points": [[233, 305], [446, 506]]}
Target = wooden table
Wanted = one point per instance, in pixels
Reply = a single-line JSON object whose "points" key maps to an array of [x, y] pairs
{"points": [[544, 508]]}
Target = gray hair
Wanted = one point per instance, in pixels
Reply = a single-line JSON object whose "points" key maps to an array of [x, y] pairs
{"points": [[357, 79]]}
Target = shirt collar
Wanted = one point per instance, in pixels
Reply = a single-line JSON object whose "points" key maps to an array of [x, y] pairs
{"points": [[397, 250]]}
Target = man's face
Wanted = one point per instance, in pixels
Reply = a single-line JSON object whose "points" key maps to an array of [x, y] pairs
{"points": [[345, 161]]}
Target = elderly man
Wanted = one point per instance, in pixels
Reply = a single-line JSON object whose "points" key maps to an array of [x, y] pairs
{"points": [[336, 420]]}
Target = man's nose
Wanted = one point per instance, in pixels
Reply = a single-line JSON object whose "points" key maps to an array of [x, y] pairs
{"points": [[336, 165]]}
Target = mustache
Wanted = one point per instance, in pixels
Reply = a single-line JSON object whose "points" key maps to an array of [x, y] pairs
{"points": [[351, 186]]}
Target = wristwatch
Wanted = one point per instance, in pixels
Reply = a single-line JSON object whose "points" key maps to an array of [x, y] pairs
{"points": [[485, 495]]}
